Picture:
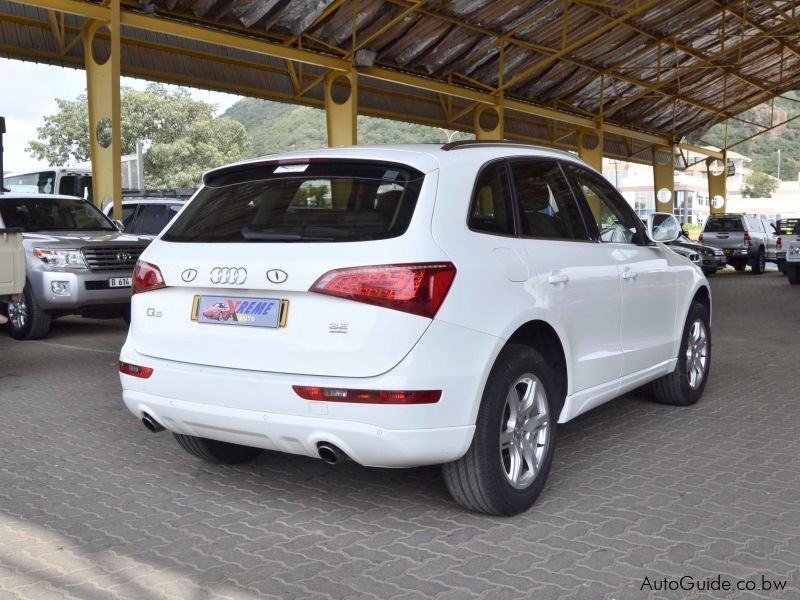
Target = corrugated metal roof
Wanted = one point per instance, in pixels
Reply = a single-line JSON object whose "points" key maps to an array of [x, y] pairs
{"points": [[670, 68]]}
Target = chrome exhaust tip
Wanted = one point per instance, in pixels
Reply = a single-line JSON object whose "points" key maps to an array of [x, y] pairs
{"points": [[152, 425], [331, 454]]}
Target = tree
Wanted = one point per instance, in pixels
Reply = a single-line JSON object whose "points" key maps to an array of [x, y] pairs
{"points": [[183, 136], [760, 185]]}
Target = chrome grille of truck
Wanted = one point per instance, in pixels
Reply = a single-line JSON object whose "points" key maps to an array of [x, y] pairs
{"points": [[112, 258]]}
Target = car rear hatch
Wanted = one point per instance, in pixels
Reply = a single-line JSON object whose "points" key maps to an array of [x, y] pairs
{"points": [[724, 232], [240, 262]]}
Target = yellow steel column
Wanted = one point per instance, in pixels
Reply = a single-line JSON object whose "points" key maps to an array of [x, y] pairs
{"points": [[341, 108], [102, 83], [664, 178], [489, 122], [590, 147], [717, 183]]}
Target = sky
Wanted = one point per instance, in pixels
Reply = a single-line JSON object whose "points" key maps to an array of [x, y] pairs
{"points": [[28, 92]]}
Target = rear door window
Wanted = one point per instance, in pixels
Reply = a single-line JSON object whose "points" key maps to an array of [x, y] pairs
{"points": [[724, 224], [491, 210], [151, 219], [547, 208], [328, 201]]}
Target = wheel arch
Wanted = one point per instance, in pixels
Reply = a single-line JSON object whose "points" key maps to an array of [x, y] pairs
{"points": [[541, 336], [703, 295]]}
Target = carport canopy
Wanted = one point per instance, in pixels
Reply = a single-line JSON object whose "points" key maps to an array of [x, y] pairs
{"points": [[627, 79]]}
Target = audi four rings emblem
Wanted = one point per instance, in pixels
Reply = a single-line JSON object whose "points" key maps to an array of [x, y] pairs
{"points": [[188, 275], [277, 276], [228, 275]]}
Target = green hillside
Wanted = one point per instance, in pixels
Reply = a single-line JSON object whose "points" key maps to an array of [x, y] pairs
{"points": [[276, 127], [763, 149]]}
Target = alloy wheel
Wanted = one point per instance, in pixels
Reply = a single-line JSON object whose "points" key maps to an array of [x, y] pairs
{"points": [[697, 354], [18, 313], [524, 431]]}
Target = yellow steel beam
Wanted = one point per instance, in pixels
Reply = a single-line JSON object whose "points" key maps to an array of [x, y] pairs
{"points": [[105, 131], [341, 114], [717, 183], [664, 179], [566, 50]]}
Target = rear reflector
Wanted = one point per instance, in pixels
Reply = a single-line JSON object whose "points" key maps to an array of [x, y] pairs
{"points": [[135, 370], [367, 396], [418, 288], [147, 277]]}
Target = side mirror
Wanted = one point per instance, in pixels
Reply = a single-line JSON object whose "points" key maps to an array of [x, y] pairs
{"points": [[119, 225], [663, 227]]}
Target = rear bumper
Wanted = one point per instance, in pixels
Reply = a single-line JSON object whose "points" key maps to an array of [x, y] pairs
{"points": [[262, 410], [366, 444]]}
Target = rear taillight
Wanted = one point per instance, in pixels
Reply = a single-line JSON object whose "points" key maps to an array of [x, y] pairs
{"points": [[367, 396], [700, 238], [135, 370], [748, 241], [147, 277], [416, 288], [778, 243]]}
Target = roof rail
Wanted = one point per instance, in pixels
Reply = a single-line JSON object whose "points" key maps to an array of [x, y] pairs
{"points": [[499, 143], [170, 193]]}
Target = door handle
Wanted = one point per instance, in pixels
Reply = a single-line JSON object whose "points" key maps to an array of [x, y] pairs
{"points": [[629, 275], [556, 279]]}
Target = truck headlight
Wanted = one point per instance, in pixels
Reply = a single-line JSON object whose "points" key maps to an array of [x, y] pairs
{"points": [[796, 249], [56, 257]]}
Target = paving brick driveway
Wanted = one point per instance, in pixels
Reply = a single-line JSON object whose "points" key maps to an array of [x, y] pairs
{"points": [[92, 506]]}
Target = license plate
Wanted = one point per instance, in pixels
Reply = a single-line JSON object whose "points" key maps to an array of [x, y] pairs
{"points": [[119, 282], [727, 251], [239, 310]]}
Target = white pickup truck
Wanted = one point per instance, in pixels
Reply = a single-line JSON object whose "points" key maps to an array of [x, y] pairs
{"points": [[789, 249], [12, 264]]}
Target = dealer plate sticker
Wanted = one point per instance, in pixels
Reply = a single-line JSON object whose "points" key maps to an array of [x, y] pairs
{"points": [[237, 310]]}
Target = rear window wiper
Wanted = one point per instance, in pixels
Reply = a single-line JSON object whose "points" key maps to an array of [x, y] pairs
{"points": [[268, 236]]}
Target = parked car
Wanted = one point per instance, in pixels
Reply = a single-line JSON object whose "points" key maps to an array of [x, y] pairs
{"points": [[433, 305], [789, 243], [12, 264], [77, 262], [741, 237], [785, 229], [772, 239], [146, 214], [708, 258]]}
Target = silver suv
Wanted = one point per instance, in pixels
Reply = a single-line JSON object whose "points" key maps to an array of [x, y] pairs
{"points": [[77, 262], [742, 238]]}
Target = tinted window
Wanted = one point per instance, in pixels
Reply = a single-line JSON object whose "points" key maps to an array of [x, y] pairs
{"points": [[32, 183], [316, 202], [724, 224], [128, 212], [491, 209], [608, 216], [151, 219], [46, 214], [546, 206]]}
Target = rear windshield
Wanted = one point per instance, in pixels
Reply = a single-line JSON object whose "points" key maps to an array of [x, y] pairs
{"points": [[53, 215], [314, 202], [724, 224]]}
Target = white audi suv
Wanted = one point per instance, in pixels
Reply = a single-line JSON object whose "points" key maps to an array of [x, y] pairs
{"points": [[410, 305]]}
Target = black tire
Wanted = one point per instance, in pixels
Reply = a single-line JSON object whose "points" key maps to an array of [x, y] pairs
{"points": [[739, 266], [759, 263], [217, 452], [26, 321], [675, 388], [479, 481], [793, 273]]}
